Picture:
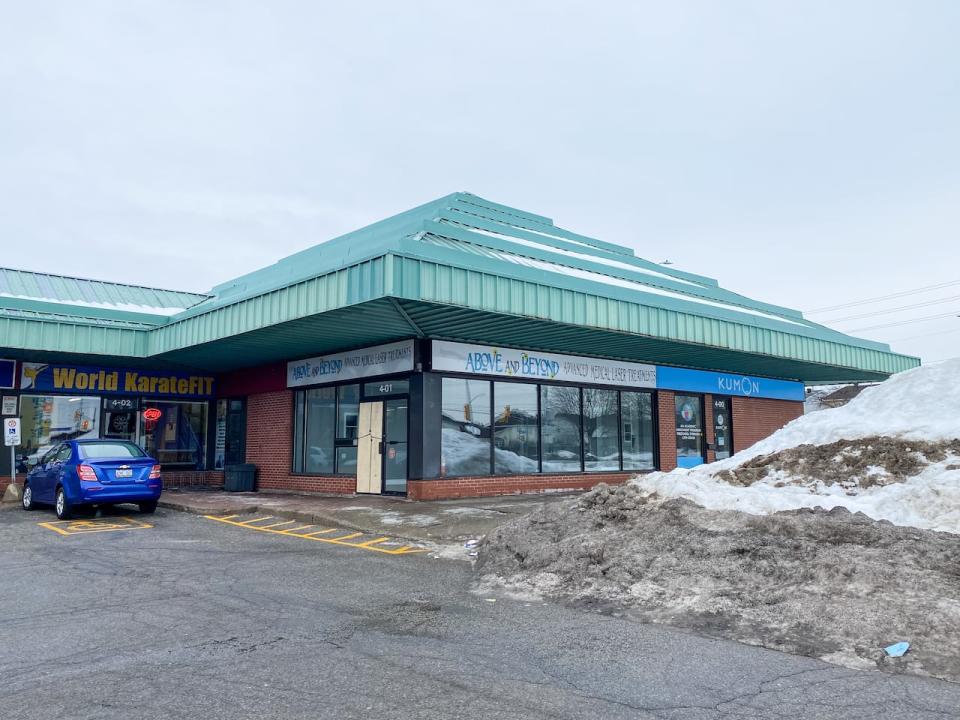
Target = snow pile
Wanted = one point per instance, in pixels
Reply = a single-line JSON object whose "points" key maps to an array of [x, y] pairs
{"points": [[832, 585], [892, 453]]}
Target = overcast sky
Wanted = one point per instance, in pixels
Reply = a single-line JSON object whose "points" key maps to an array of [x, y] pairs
{"points": [[803, 153]]}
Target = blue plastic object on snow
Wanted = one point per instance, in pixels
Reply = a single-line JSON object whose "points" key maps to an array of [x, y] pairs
{"points": [[897, 649]]}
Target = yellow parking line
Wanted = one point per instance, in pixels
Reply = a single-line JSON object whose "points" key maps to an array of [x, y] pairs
{"points": [[404, 550], [227, 517], [288, 522], [368, 543], [294, 531], [98, 525], [249, 523], [348, 537]]}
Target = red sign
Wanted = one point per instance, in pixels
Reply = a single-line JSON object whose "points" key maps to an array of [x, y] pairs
{"points": [[152, 413]]}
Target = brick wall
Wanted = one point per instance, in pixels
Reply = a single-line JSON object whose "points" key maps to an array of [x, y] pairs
{"points": [[269, 447], [708, 427], [668, 430], [192, 478], [755, 419], [512, 485]]}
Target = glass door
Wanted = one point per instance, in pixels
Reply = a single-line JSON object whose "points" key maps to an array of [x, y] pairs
{"points": [[395, 445]]}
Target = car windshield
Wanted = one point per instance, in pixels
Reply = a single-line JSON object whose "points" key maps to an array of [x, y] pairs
{"points": [[111, 449]]}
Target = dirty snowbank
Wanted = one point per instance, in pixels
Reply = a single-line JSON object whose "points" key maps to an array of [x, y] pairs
{"points": [[832, 585], [892, 453]]}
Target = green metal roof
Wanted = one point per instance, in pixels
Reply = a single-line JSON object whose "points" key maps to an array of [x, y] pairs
{"points": [[464, 268], [82, 298]]}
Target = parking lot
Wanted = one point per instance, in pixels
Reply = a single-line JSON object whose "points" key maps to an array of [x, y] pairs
{"points": [[184, 616]]}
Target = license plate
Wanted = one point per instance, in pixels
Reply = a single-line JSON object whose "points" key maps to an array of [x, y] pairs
{"points": [[124, 472]]}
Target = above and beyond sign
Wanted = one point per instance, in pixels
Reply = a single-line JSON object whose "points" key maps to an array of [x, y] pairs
{"points": [[107, 381], [528, 364], [366, 362], [507, 362]]}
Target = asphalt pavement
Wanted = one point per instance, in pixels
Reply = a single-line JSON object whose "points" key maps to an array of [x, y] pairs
{"points": [[181, 616]]}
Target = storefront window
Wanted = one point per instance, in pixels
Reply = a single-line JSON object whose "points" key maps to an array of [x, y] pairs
{"points": [[560, 429], [515, 435], [178, 435], [320, 413], [348, 414], [49, 419], [689, 419], [600, 430], [465, 427], [636, 427]]}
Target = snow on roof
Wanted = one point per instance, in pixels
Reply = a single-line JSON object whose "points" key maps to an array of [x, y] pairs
{"points": [[592, 276]]}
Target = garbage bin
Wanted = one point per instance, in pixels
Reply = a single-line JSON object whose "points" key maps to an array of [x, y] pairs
{"points": [[239, 478]]}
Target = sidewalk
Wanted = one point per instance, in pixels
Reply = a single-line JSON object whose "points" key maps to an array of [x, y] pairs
{"points": [[439, 521]]}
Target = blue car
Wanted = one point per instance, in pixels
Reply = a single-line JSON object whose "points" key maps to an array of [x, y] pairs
{"points": [[93, 472]]}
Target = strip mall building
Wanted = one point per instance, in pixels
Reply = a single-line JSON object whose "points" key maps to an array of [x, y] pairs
{"points": [[461, 348]]}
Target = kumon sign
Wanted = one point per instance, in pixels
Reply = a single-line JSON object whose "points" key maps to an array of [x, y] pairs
{"points": [[110, 381]]}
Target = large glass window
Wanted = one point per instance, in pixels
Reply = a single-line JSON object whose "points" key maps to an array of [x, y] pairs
{"points": [[600, 430], [395, 443], [320, 417], [516, 428], [348, 414], [689, 420], [560, 428], [49, 419], [465, 427], [325, 422], [636, 427], [178, 435]]}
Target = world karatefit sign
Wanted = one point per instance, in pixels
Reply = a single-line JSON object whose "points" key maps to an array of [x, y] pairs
{"points": [[512, 363], [367, 362]]}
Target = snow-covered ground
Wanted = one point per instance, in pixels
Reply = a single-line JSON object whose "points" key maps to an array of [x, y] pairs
{"points": [[920, 405]]}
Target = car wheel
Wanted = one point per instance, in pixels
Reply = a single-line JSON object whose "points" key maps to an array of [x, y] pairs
{"points": [[27, 498], [62, 505], [148, 508]]}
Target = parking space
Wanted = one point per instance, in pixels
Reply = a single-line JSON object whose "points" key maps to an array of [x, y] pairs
{"points": [[332, 536]]}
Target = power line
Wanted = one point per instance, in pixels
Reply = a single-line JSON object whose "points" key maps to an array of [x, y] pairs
{"points": [[925, 335], [903, 322], [891, 296], [896, 309]]}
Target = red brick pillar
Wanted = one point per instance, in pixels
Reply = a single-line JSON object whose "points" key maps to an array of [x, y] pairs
{"points": [[269, 436], [668, 430], [755, 419], [709, 439]]}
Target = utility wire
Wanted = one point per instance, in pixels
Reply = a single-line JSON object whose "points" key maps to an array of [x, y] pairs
{"points": [[896, 309], [925, 335], [904, 322], [883, 297]]}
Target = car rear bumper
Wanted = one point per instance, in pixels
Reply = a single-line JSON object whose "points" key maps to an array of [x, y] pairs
{"points": [[126, 493]]}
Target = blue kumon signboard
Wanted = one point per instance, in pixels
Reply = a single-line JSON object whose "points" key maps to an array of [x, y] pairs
{"points": [[702, 381]]}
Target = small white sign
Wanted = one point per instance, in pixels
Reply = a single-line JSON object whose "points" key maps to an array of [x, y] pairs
{"points": [[534, 365], [365, 362], [9, 405], [11, 431]]}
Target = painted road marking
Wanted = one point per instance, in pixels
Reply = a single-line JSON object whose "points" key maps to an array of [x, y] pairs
{"points": [[373, 545], [84, 527]]}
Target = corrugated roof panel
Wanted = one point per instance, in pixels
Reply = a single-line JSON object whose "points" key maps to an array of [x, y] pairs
{"points": [[76, 296]]}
